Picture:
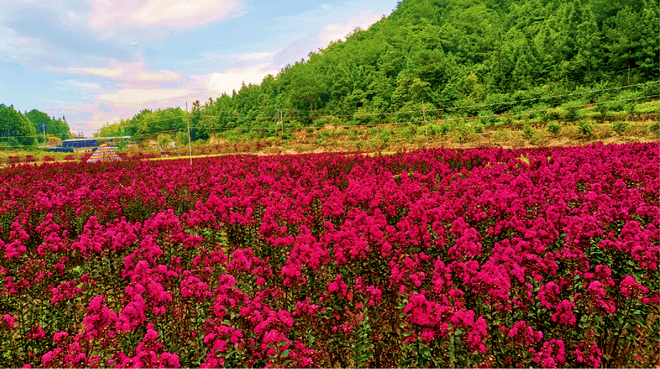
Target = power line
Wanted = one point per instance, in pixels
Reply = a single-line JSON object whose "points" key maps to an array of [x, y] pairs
{"points": [[563, 79], [413, 111], [428, 110], [389, 123], [404, 123], [389, 113]]}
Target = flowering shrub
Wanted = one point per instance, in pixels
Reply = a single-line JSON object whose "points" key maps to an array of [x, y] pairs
{"points": [[431, 258]]}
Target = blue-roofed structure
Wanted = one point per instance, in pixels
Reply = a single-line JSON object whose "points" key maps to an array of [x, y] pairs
{"points": [[78, 143]]}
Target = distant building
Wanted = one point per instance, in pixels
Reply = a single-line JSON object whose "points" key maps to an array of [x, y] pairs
{"points": [[78, 143]]}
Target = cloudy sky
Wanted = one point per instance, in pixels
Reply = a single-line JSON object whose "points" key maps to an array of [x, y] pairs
{"points": [[97, 61]]}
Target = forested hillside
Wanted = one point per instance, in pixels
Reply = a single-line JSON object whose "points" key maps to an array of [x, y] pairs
{"points": [[17, 129], [58, 127], [444, 54]]}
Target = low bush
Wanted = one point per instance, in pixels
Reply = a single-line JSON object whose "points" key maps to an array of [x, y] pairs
{"points": [[528, 132], [572, 114], [552, 114], [554, 128], [620, 127], [654, 128], [444, 128], [586, 128]]}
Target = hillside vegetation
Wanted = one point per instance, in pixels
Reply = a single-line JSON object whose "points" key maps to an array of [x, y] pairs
{"points": [[429, 57], [18, 129]]}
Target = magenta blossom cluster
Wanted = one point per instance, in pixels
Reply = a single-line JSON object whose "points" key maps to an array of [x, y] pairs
{"points": [[474, 258]]}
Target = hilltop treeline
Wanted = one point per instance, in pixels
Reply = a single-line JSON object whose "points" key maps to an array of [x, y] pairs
{"points": [[18, 129], [41, 120], [444, 54]]}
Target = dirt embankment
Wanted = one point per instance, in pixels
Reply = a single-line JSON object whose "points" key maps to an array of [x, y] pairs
{"points": [[393, 138]]}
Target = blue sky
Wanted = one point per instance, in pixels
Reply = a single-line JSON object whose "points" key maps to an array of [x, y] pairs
{"points": [[97, 61]]}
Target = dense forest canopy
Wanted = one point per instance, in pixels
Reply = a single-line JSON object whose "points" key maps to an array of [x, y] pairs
{"points": [[58, 127], [148, 122], [18, 129], [444, 54], [15, 128]]}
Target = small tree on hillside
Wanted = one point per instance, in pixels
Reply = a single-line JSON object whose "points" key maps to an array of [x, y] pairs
{"points": [[164, 141]]}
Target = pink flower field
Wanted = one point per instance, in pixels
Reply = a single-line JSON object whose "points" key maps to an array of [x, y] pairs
{"points": [[446, 258]]}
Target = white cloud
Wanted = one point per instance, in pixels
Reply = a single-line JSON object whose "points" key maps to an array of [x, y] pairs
{"points": [[100, 120], [28, 43], [31, 2], [22, 41], [339, 31], [170, 12], [137, 85], [103, 72], [107, 14], [19, 48], [324, 36], [132, 74], [84, 85], [161, 75], [92, 86], [252, 57], [232, 79], [137, 98], [220, 61], [138, 88]]}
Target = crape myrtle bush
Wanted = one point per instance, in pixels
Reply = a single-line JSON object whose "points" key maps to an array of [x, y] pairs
{"points": [[487, 257]]}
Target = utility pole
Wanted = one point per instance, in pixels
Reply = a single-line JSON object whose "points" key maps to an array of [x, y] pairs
{"points": [[426, 132], [189, 140], [424, 112], [279, 120]]}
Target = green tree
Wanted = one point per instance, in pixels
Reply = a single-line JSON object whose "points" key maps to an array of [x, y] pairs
{"points": [[164, 141], [182, 138], [304, 92], [412, 90], [14, 124], [53, 126], [446, 53], [38, 118]]}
